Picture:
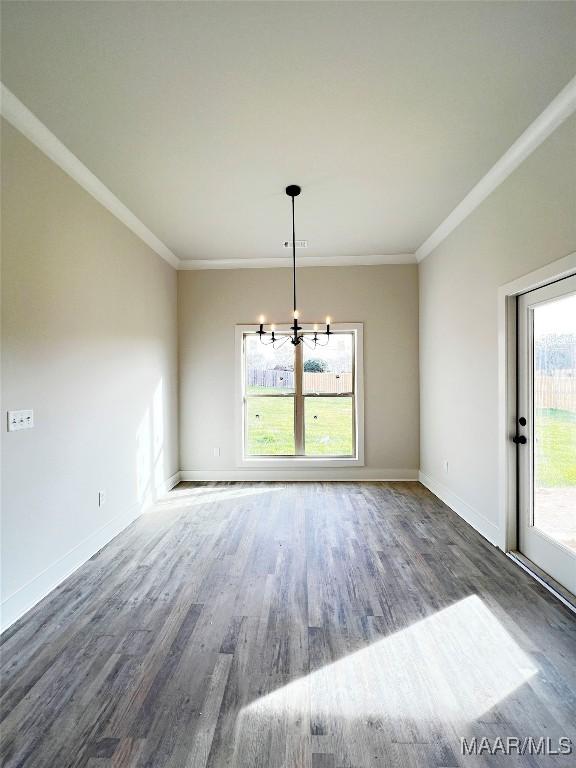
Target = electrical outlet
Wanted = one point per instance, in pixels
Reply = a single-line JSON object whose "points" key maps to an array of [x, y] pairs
{"points": [[445, 465], [20, 420], [101, 498], [216, 452]]}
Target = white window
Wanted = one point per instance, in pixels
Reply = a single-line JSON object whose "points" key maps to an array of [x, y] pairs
{"points": [[300, 405]]}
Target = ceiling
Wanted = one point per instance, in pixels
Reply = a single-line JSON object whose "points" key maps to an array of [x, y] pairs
{"points": [[196, 115]]}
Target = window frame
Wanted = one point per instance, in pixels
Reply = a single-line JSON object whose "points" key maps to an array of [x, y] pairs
{"points": [[300, 461]]}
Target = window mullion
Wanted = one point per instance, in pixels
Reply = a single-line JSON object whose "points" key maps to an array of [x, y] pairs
{"points": [[298, 401]]}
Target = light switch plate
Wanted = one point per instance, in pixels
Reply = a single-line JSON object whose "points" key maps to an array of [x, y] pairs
{"points": [[20, 420]]}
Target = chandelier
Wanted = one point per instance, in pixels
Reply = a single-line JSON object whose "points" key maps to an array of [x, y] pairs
{"points": [[299, 334]]}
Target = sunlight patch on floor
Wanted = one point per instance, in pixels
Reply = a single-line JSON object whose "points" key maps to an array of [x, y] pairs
{"points": [[198, 497], [456, 665]]}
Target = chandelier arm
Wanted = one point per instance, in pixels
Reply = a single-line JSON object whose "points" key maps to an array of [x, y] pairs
{"points": [[307, 342], [323, 345], [284, 340], [268, 343]]}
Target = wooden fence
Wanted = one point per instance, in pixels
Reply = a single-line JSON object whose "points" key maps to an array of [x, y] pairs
{"points": [[271, 379], [322, 383], [552, 391], [331, 383]]}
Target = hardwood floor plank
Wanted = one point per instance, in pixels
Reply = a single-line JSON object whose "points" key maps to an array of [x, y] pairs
{"points": [[289, 625]]}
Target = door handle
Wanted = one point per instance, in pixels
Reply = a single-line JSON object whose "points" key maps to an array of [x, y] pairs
{"points": [[519, 439]]}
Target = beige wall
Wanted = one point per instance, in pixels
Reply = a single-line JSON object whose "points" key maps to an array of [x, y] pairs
{"points": [[384, 298], [89, 341], [529, 221]]}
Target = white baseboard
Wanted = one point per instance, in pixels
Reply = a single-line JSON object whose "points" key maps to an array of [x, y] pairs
{"points": [[358, 474], [170, 483], [25, 598], [485, 527]]}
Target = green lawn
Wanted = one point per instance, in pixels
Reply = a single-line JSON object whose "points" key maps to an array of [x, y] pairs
{"points": [[328, 426], [255, 390], [270, 432], [555, 460], [270, 426]]}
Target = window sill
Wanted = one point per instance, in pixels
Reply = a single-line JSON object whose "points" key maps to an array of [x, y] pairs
{"points": [[299, 462]]}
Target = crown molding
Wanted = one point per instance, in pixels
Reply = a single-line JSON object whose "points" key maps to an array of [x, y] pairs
{"points": [[559, 109], [18, 115], [537, 132], [303, 261]]}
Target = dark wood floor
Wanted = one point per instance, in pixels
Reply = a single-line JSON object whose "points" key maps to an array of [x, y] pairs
{"points": [[309, 625]]}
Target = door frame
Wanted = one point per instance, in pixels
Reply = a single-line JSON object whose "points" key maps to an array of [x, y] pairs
{"points": [[507, 390], [537, 546]]}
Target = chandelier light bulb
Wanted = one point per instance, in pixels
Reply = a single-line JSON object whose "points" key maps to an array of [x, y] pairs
{"points": [[261, 319], [296, 314], [328, 320]]}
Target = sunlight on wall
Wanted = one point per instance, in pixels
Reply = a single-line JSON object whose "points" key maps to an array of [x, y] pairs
{"points": [[454, 665], [143, 458], [158, 471], [150, 469]]}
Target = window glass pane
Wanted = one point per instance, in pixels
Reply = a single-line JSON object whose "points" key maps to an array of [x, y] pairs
{"points": [[328, 426], [328, 370], [555, 420], [269, 426], [268, 370]]}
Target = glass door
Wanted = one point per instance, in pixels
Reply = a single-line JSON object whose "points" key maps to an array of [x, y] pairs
{"points": [[546, 432]]}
